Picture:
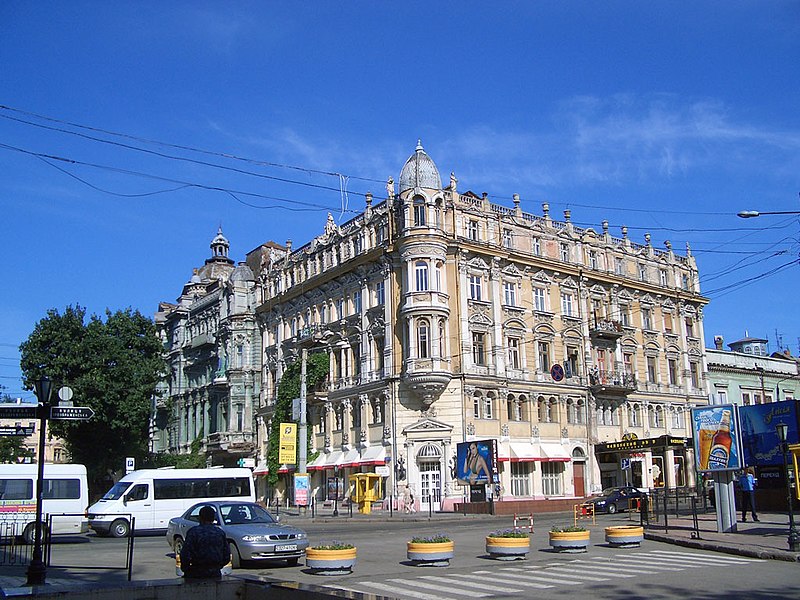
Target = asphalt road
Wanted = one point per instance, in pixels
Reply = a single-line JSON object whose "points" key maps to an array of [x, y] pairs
{"points": [[653, 571]]}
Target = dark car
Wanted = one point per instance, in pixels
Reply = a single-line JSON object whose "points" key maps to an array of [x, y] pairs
{"points": [[252, 532], [614, 499]]}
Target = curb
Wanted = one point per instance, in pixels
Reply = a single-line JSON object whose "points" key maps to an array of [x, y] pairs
{"points": [[749, 551]]}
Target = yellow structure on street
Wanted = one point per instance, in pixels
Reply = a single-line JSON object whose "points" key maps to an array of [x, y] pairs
{"points": [[366, 489]]}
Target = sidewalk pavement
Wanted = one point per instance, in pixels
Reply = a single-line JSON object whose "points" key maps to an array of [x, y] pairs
{"points": [[766, 538]]}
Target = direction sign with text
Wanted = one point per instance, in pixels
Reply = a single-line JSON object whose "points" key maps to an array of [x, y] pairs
{"points": [[18, 411], [71, 413], [16, 430]]}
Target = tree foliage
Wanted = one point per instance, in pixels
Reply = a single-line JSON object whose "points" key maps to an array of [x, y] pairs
{"points": [[12, 449], [317, 368], [113, 366]]}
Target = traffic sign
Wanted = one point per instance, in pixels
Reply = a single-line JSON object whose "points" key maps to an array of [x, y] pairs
{"points": [[18, 411], [557, 372], [71, 413], [16, 430]]}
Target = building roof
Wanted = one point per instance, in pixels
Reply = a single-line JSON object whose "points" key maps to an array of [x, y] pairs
{"points": [[420, 172]]}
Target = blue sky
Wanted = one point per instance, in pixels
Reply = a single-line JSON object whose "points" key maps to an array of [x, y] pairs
{"points": [[666, 117]]}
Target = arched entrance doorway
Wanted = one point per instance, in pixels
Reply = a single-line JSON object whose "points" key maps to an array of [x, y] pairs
{"points": [[579, 472], [429, 462]]}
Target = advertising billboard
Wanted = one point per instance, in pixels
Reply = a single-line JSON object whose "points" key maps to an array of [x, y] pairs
{"points": [[716, 440], [760, 444], [287, 452], [301, 487], [476, 462]]}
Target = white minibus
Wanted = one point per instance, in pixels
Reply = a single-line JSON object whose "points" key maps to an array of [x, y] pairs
{"points": [[65, 496], [154, 496]]}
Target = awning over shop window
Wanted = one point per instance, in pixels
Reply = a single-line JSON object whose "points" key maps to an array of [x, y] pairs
{"points": [[318, 463], [261, 469], [350, 459], [373, 455], [333, 459], [523, 453], [553, 452]]}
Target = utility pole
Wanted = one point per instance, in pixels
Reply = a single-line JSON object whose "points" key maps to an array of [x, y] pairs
{"points": [[303, 428]]}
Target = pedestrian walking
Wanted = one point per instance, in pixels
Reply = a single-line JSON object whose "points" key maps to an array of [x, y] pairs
{"points": [[747, 486], [408, 500], [205, 551]]}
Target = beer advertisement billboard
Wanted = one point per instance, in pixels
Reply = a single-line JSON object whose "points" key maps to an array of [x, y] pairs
{"points": [[760, 444], [475, 462], [716, 439]]}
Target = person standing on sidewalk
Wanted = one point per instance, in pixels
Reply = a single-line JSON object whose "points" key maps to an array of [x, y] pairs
{"points": [[747, 485]]}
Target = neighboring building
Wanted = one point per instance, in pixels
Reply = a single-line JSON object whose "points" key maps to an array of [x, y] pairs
{"points": [[213, 350], [449, 318], [746, 374], [55, 450]]}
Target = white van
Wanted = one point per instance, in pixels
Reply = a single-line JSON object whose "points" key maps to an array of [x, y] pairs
{"points": [[65, 496], [153, 496]]}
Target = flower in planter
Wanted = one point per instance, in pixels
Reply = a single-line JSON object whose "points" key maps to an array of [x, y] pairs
{"points": [[514, 532], [439, 538], [568, 529], [334, 545]]}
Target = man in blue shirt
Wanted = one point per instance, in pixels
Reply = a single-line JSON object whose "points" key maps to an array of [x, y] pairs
{"points": [[206, 549], [747, 484]]}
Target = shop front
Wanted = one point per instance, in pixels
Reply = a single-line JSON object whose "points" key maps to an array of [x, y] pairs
{"points": [[648, 463]]}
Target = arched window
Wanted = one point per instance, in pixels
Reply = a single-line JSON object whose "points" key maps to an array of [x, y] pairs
{"points": [[419, 211], [421, 276], [423, 339]]}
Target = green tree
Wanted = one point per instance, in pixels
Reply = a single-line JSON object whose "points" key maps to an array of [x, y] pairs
{"points": [[112, 366], [12, 448], [317, 369]]}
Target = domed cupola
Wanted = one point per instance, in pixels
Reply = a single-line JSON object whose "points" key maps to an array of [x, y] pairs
{"points": [[219, 249], [420, 172]]}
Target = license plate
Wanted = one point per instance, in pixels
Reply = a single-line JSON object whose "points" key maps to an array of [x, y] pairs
{"points": [[286, 548]]}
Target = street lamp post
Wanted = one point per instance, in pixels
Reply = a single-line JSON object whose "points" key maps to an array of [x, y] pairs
{"points": [[794, 539], [37, 571], [749, 214]]}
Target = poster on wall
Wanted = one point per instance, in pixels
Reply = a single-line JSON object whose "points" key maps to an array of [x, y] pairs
{"points": [[716, 440], [476, 462], [301, 487], [760, 444]]}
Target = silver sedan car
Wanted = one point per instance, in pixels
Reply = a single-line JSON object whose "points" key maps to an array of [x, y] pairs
{"points": [[253, 533]]}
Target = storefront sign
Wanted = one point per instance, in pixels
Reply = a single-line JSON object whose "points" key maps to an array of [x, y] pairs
{"points": [[634, 444]]}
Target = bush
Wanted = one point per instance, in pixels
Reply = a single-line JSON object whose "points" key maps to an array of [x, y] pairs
{"points": [[514, 532], [438, 538]]}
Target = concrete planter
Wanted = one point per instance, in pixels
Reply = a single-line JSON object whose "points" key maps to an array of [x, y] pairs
{"points": [[430, 554], [508, 548], [569, 541], [331, 562], [624, 536]]}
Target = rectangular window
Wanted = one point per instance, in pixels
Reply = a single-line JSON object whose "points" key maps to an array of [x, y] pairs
{"points": [[551, 478], [668, 322], [421, 276], [619, 266], [488, 408], [662, 277], [437, 277], [510, 293], [593, 259], [513, 353], [689, 327], [475, 287], [476, 407], [723, 396], [642, 272], [423, 340], [746, 399], [537, 246], [694, 371], [340, 308], [16, 489], [419, 212], [624, 315], [472, 230], [571, 363], [508, 238], [647, 318], [564, 248], [544, 357], [566, 304], [380, 293], [478, 348], [357, 303], [539, 299], [672, 367], [651, 369], [685, 282], [520, 479]]}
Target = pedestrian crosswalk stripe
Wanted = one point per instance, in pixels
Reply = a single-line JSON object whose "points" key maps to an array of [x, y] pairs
{"points": [[692, 562], [631, 565], [455, 580], [389, 589], [571, 573], [439, 588], [526, 576], [500, 577], [729, 558]]}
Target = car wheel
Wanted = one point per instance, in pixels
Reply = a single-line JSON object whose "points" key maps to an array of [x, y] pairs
{"points": [[29, 535], [120, 528], [612, 508], [178, 544], [236, 558], [292, 562]]}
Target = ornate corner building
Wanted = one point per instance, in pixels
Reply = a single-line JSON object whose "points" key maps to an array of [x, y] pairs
{"points": [[450, 318]]}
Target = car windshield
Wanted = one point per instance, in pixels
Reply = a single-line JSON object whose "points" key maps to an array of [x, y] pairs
{"points": [[116, 492], [239, 514], [609, 491]]}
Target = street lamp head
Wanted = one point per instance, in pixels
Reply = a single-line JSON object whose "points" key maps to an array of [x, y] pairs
{"points": [[747, 214], [783, 430], [43, 387]]}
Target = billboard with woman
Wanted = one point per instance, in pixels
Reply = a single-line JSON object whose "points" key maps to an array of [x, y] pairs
{"points": [[475, 462]]}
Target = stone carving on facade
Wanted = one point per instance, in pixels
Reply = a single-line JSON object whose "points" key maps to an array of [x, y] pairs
{"points": [[564, 433], [535, 431], [504, 430], [430, 412], [387, 433], [470, 429]]}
